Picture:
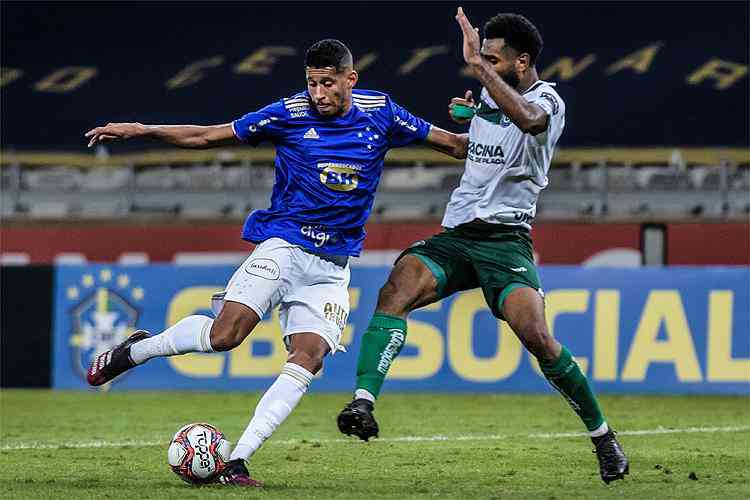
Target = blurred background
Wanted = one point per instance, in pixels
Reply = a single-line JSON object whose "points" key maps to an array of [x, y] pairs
{"points": [[652, 174]]}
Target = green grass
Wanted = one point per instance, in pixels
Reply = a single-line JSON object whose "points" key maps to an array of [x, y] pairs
{"points": [[307, 458]]}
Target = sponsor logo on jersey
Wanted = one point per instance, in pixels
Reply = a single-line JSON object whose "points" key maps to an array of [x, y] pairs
{"points": [[518, 269], [311, 134], [486, 153], [405, 124], [316, 234], [103, 311], [297, 106], [252, 128], [339, 176], [336, 314], [263, 268]]}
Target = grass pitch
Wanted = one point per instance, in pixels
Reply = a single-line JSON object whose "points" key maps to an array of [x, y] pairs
{"points": [[114, 445]]}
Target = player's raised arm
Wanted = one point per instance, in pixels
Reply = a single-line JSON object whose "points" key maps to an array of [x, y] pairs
{"points": [[449, 143], [184, 136], [496, 65]]}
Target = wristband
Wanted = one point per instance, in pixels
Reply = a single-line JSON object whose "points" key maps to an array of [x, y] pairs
{"points": [[462, 112]]}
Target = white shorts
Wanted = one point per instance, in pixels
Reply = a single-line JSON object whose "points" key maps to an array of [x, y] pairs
{"points": [[312, 293]]}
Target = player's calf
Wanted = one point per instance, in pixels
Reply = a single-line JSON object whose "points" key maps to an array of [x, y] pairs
{"points": [[233, 324], [109, 364]]}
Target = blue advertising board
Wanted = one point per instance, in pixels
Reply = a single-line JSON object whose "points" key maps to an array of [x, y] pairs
{"points": [[672, 330]]}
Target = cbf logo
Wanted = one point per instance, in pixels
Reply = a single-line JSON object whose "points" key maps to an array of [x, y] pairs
{"points": [[103, 315]]}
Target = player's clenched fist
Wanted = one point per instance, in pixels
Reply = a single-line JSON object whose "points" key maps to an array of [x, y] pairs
{"points": [[461, 110], [114, 132]]}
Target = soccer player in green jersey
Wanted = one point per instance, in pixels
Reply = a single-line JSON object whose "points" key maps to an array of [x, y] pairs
{"points": [[514, 129]]}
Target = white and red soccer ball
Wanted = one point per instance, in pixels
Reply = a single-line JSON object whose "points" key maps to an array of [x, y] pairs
{"points": [[198, 453]]}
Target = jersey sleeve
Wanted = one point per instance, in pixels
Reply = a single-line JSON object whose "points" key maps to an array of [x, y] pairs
{"points": [[266, 124], [551, 103], [406, 128]]}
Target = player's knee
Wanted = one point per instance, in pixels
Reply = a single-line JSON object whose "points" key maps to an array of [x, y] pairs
{"points": [[538, 341], [311, 360]]}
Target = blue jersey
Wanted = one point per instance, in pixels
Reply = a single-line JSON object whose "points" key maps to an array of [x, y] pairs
{"points": [[327, 168]]}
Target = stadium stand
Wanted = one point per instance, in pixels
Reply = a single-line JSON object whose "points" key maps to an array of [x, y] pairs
{"points": [[416, 184], [618, 107]]}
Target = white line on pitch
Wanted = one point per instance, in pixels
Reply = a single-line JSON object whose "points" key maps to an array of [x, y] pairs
{"points": [[649, 432], [410, 439]]}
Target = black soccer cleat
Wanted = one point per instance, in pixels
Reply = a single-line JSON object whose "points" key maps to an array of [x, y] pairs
{"points": [[613, 464], [114, 362], [236, 474], [357, 418]]}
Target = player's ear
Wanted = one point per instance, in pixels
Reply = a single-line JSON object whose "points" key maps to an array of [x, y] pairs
{"points": [[352, 79], [523, 62]]}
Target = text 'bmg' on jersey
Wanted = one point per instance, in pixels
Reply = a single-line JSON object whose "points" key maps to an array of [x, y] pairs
{"points": [[327, 168]]}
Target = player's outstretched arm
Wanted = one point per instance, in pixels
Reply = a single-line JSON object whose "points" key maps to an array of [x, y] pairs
{"points": [[527, 116], [454, 145], [184, 136]]}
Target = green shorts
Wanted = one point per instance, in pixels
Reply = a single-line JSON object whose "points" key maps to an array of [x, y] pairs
{"points": [[495, 257]]}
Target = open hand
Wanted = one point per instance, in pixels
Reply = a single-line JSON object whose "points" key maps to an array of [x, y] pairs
{"points": [[471, 39], [113, 132]]}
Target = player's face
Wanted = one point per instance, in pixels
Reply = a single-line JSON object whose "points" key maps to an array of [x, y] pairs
{"points": [[507, 62], [329, 89]]}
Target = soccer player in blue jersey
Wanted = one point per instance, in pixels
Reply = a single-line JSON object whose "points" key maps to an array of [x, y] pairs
{"points": [[330, 145]]}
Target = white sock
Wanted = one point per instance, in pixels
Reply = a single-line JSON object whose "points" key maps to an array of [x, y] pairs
{"points": [[190, 334], [273, 408], [364, 394], [600, 431]]}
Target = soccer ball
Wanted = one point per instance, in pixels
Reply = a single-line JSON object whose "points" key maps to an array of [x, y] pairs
{"points": [[198, 453]]}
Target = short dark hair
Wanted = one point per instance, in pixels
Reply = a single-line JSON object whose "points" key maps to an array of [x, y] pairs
{"points": [[329, 52], [519, 33]]}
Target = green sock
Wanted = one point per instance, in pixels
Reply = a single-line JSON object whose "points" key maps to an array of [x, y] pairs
{"points": [[381, 343], [566, 376]]}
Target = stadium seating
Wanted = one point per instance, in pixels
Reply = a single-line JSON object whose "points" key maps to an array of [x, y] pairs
{"points": [[54, 178], [106, 179], [414, 186]]}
